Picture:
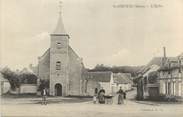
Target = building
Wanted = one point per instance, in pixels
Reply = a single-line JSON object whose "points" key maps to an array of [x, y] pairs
{"points": [[63, 70], [147, 86], [171, 77], [110, 82], [61, 65], [162, 76], [96, 80], [122, 80], [5, 85]]}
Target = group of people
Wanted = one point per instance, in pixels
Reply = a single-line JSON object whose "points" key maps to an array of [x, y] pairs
{"points": [[98, 95], [102, 97]]}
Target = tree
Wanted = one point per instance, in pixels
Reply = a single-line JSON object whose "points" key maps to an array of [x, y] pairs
{"points": [[152, 77], [12, 77], [28, 78], [43, 84], [17, 78]]}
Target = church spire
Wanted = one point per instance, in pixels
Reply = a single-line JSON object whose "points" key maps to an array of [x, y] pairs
{"points": [[60, 26]]}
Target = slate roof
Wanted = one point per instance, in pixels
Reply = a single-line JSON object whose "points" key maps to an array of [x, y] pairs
{"points": [[156, 61], [122, 78], [99, 76]]}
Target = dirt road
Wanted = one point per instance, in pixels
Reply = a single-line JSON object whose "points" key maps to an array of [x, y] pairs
{"points": [[21, 108]]}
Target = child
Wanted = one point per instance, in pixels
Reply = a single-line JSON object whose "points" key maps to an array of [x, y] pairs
{"points": [[95, 99]]}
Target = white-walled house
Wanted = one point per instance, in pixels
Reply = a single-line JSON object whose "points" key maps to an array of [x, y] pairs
{"points": [[110, 82], [5, 85], [122, 80], [168, 82], [171, 78], [97, 80]]}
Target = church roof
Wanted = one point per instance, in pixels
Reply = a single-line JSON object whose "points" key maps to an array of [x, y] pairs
{"points": [[60, 26], [100, 76]]}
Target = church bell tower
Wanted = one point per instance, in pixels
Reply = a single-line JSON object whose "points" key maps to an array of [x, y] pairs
{"points": [[59, 60]]}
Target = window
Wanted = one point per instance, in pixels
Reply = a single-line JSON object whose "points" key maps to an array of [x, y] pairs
{"points": [[59, 45], [58, 65]]}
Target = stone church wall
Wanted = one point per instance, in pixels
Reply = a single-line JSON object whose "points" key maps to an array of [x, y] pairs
{"points": [[59, 53], [75, 73], [44, 66]]}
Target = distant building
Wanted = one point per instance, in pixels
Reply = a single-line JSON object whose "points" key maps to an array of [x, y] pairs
{"points": [[5, 85], [162, 76], [122, 80], [171, 77], [110, 82]]}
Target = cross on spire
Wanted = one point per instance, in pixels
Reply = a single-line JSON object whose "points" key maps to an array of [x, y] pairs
{"points": [[60, 26], [60, 7]]}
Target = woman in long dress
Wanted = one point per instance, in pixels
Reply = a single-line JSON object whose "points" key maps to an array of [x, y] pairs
{"points": [[120, 96]]}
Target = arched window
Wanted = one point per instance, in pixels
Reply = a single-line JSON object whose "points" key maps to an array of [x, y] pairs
{"points": [[58, 65]]}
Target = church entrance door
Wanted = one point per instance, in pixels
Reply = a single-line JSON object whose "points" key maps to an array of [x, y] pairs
{"points": [[58, 89]]}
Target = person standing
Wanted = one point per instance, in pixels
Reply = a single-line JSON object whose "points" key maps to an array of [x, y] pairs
{"points": [[94, 98], [124, 94], [44, 94], [120, 96]]}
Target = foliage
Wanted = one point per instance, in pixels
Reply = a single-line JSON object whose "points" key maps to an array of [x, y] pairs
{"points": [[12, 77], [28, 78], [117, 69], [153, 76], [43, 84], [17, 78]]}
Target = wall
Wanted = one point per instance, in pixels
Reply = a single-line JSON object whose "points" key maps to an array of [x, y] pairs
{"points": [[5, 87], [140, 89], [174, 78], [75, 73], [153, 92], [125, 87], [44, 65], [59, 53], [28, 88], [91, 85], [106, 86]]}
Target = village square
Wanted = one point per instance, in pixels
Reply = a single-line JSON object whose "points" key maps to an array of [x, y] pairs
{"points": [[61, 85]]}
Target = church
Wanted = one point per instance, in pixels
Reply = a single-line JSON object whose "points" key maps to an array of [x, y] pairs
{"points": [[64, 71], [61, 65]]}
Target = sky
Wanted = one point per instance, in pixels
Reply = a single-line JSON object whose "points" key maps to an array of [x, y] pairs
{"points": [[101, 31]]}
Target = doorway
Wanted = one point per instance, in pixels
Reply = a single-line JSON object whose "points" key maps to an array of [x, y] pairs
{"points": [[58, 89]]}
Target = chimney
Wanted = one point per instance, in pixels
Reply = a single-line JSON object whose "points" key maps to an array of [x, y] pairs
{"points": [[164, 56], [164, 52]]}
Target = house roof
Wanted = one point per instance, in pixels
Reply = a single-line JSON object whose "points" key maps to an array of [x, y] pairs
{"points": [[99, 76], [156, 61], [122, 78]]}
